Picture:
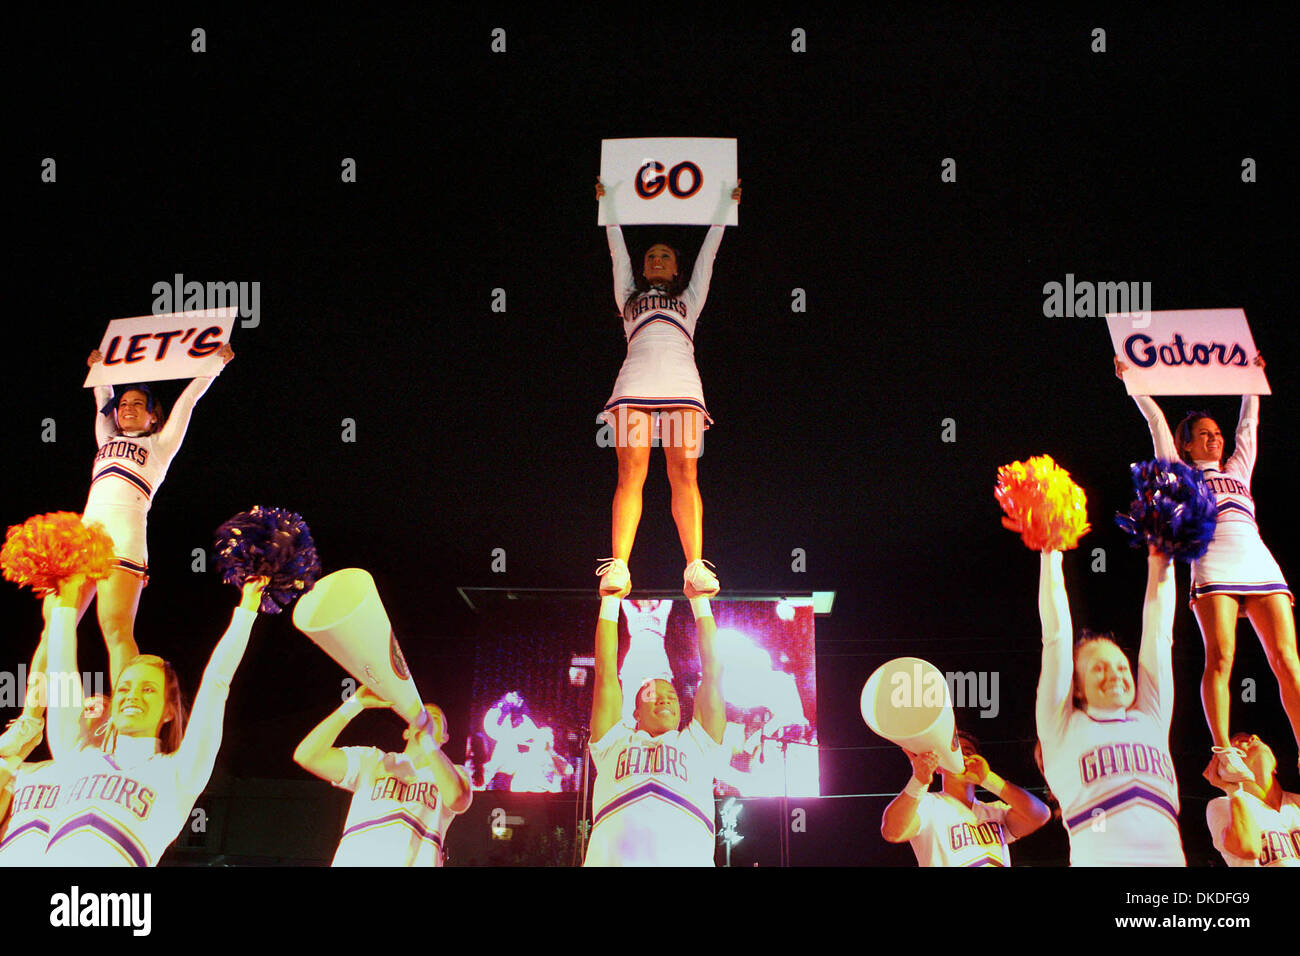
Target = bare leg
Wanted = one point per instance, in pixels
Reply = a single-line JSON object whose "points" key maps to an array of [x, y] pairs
{"points": [[34, 701], [688, 507], [119, 599], [1274, 622], [1217, 614], [633, 464]]}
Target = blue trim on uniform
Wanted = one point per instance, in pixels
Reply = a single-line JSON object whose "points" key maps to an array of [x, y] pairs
{"points": [[13, 835], [94, 821], [666, 402], [1234, 506], [652, 788], [399, 816], [987, 861], [126, 474], [1198, 590], [1116, 800], [660, 317]]}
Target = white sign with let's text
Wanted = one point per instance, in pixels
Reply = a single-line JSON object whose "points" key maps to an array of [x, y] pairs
{"points": [[1187, 352], [154, 348], [668, 181]]}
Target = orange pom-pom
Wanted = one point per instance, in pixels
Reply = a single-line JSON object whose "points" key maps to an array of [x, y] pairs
{"points": [[1043, 504], [46, 549]]}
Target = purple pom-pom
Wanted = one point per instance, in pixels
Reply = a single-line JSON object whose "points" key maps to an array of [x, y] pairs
{"points": [[1173, 509], [268, 542]]}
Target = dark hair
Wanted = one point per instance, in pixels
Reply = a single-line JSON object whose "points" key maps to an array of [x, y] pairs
{"points": [[1086, 637], [172, 731], [675, 288], [970, 738], [1183, 433], [151, 404]]}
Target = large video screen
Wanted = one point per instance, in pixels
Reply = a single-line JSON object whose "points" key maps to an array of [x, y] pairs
{"points": [[535, 668]]}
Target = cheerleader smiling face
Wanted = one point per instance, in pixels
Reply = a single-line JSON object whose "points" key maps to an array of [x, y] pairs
{"points": [[1206, 443], [133, 413], [1102, 676], [139, 701], [660, 264]]}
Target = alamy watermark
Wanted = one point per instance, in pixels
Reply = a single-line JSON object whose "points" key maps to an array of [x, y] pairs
{"points": [[181, 296]]}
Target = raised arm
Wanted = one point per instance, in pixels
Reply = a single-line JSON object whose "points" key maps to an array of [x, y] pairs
{"points": [[452, 782], [697, 291], [607, 696], [624, 280], [170, 436], [317, 753], [902, 819], [1162, 438], [1025, 813], [1243, 448], [198, 751], [1155, 695], [62, 679], [1056, 680], [710, 709], [102, 394]]}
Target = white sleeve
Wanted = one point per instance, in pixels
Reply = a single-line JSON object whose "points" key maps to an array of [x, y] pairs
{"points": [[168, 441], [62, 719], [105, 429], [1161, 437], [624, 281], [359, 759], [702, 274], [1155, 684], [613, 737], [1242, 462], [198, 751], [1054, 701]]}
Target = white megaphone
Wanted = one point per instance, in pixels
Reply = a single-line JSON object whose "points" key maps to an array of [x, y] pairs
{"points": [[907, 701], [343, 615]]}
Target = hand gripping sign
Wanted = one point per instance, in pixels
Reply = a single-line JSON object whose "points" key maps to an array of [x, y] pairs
{"points": [[154, 348], [680, 181]]}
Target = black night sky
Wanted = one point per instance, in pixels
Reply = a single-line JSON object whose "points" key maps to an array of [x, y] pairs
{"points": [[475, 429]]}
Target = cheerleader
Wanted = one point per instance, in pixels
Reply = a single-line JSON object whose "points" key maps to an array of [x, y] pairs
{"points": [[1257, 823], [660, 313], [29, 792], [1237, 576], [137, 443], [951, 827], [1105, 739], [129, 797], [653, 797], [402, 803]]}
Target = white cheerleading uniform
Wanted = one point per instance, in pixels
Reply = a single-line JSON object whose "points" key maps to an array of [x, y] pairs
{"points": [[1237, 562], [125, 808], [128, 470], [654, 798], [1113, 774], [23, 836], [659, 370], [953, 834], [1280, 830], [398, 816]]}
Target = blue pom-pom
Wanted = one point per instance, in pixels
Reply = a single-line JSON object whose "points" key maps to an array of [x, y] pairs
{"points": [[268, 542], [1173, 509]]}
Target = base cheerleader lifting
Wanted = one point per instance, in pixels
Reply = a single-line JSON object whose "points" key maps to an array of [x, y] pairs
{"points": [[653, 803], [137, 443]]}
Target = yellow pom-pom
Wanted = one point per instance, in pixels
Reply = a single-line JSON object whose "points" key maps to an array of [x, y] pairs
{"points": [[1043, 504], [47, 549]]}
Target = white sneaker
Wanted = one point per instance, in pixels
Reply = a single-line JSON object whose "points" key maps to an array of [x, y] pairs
{"points": [[698, 580], [19, 733], [1232, 766], [614, 577]]}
